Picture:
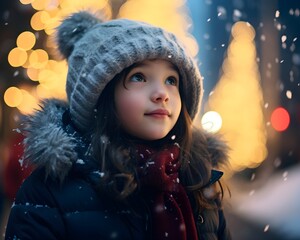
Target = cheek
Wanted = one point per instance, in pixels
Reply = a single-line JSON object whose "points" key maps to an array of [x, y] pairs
{"points": [[127, 105]]}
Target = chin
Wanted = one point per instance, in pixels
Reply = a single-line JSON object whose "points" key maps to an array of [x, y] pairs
{"points": [[155, 137], [150, 136]]}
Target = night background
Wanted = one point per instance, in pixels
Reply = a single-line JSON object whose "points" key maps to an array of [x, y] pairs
{"points": [[265, 195]]}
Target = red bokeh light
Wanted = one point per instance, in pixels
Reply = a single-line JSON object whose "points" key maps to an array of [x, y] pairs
{"points": [[280, 119]]}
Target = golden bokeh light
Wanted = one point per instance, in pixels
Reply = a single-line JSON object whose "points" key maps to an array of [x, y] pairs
{"points": [[168, 14], [43, 92], [25, 2], [50, 74], [33, 74], [28, 104], [238, 99], [13, 97], [40, 4], [17, 57], [39, 20], [70, 6], [243, 31], [26, 40], [38, 58]]}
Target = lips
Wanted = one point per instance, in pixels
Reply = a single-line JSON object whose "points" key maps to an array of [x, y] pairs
{"points": [[158, 112]]}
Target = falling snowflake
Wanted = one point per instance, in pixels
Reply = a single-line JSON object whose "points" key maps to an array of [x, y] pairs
{"points": [[284, 175], [159, 208], [104, 139], [292, 47], [206, 36], [296, 59], [80, 161], [237, 13], [113, 235], [101, 174], [16, 73], [289, 94], [221, 12], [17, 130], [278, 26], [266, 105], [277, 162], [182, 227], [266, 228], [21, 161]]}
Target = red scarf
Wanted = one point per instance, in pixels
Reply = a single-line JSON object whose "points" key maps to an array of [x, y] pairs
{"points": [[172, 215]]}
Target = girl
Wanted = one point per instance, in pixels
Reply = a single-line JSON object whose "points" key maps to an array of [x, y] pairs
{"points": [[121, 159]]}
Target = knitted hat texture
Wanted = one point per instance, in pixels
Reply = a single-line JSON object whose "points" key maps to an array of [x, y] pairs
{"points": [[96, 51]]}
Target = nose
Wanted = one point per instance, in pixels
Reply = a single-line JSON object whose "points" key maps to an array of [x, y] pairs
{"points": [[160, 94]]}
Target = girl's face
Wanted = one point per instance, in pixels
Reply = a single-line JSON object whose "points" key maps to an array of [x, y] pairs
{"points": [[148, 102]]}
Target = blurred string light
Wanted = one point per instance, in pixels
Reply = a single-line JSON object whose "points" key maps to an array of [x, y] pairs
{"points": [[50, 74], [238, 99]]}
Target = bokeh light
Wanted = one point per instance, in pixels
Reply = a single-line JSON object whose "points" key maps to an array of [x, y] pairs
{"points": [[13, 97], [238, 99], [169, 14], [211, 121], [50, 74], [26, 40], [25, 2], [38, 58], [17, 57], [39, 20], [28, 104], [280, 119]]}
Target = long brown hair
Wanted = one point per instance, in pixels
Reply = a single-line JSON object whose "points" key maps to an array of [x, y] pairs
{"points": [[111, 147]]}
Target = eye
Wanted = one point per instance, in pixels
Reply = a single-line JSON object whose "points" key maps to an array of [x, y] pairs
{"points": [[137, 77], [172, 81]]}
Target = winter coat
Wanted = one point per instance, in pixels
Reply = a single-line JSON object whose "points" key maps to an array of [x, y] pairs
{"points": [[59, 200]]}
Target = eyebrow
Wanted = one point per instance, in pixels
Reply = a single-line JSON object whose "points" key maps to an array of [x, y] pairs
{"points": [[142, 64]]}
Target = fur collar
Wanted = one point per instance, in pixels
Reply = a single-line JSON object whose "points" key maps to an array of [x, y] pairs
{"points": [[48, 144]]}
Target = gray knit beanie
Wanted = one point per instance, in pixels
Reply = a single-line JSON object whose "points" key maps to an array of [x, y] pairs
{"points": [[96, 51]]}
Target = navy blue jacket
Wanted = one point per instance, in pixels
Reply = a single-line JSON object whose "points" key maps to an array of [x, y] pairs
{"points": [[47, 209], [59, 200]]}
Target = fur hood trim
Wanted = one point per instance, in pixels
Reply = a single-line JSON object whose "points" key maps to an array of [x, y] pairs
{"points": [[48, 145]]}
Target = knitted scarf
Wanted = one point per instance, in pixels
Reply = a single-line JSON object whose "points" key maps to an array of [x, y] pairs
{"points": [[171, 212]]}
